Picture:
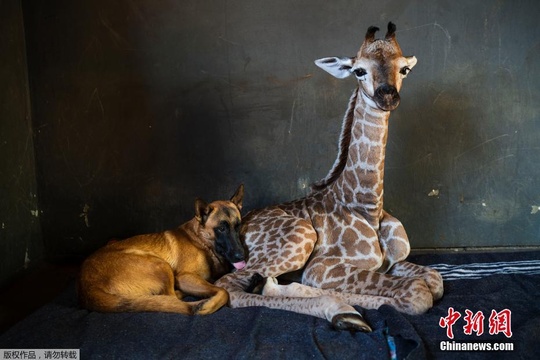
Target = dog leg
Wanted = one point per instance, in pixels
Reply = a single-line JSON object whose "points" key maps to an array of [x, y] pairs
{"points": [[179, 294], [193, 284]]}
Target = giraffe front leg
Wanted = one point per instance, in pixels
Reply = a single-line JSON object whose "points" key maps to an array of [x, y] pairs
{"points": [[339, 312], [273, 288], [342, 315]]}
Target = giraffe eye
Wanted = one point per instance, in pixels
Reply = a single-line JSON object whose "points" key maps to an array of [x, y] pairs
{"points": [[404, 70], [359, 72]]}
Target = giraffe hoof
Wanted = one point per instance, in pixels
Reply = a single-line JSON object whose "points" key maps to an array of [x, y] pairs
{"points": [[351, 322]]}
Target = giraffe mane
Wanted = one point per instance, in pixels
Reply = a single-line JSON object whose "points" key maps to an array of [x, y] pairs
{"points": [[343, 150]]}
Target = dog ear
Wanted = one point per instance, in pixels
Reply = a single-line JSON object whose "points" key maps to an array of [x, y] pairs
{"points": [[201, 210], [238, 197]]}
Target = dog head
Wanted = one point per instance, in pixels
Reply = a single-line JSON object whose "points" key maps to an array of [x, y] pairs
{"points": [[221, 221]]}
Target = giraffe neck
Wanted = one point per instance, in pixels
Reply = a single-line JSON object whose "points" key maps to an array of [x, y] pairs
{"points": [[359, 184]]}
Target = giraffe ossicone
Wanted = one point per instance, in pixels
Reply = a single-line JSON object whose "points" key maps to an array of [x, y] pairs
{"points": [[348, 249]]}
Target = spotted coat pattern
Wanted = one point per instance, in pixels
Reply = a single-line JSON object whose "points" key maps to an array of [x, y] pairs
{"points": [[350, 251]]}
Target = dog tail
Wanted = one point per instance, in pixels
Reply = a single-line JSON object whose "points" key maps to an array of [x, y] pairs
{"points": [[158, 303], [102, 301]]}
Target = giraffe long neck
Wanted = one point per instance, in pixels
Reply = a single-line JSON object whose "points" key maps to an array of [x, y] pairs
{"points": [[359, 170]]}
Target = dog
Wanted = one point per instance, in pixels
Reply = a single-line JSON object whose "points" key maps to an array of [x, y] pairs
{"points": [[154, 272]]}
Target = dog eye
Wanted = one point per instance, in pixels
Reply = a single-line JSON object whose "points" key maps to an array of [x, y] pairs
{"points": [[404, 70], [359, 72]]}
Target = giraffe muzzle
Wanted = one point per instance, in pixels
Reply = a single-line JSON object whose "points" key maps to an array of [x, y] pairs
{"points": [[386, 97]]}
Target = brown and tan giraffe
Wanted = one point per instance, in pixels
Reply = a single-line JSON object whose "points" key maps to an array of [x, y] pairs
{"points": [[350, 251]]}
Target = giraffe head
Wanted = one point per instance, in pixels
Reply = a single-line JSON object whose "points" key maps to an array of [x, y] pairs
{"points": [[379, 67]]}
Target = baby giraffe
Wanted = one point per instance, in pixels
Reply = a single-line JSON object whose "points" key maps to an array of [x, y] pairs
{"points": [[348, 249]]}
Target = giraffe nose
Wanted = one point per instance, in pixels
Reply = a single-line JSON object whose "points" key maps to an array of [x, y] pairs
{"points": [[387, 97]]}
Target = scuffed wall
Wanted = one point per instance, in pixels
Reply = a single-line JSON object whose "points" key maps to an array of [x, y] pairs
{"points": [[141, 106], [20, 237]]}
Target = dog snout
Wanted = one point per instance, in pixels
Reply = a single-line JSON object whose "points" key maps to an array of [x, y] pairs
{"points": [[235, 250], [239, 256]]}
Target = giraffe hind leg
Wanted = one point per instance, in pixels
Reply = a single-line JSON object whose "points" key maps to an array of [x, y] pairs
{"points": [[431, 276], [370, 289], [393, 239], [283, 245]]}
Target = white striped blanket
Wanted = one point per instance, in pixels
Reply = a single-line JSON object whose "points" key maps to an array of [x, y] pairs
{"points": [[480, 270]]}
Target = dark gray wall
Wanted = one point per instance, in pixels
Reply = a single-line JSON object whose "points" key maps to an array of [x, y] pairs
{"points": [[20, 238], [140, 106]]}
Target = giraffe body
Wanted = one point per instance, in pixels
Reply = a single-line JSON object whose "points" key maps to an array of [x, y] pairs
{"points": [[350, 251]]}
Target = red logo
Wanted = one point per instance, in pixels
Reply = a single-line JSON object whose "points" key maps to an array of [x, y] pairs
{"points": [[499, 322], [474, 323], [449, 321]]}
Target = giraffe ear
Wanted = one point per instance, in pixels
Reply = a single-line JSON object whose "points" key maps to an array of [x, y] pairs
{"points": [[339, 67], [411, 61]]}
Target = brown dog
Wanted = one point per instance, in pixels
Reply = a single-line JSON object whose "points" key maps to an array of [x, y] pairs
{"points": [[153, 272]]}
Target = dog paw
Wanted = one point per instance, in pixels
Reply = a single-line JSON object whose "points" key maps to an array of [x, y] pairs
{"points": [[256, 284], [207, 306]]}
